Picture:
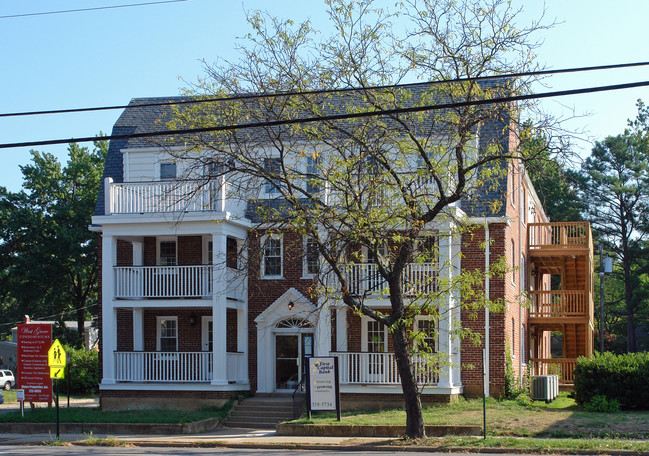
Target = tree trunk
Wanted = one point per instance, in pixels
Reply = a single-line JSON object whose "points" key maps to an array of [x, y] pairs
{"points": [[414, 417]]}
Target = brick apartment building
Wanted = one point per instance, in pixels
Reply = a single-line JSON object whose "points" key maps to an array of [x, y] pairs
{"points": [[199, 303]]}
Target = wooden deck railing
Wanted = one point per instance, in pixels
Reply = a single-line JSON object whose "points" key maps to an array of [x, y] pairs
{"points": [[567, 303], [560, 235], [563, 367]]}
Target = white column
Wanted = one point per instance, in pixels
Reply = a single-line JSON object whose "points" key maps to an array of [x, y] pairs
{"points": [[219, 372], [322, 343], [138, 329], [108, 182], [108, 317], [445, 324], [341, 329]]}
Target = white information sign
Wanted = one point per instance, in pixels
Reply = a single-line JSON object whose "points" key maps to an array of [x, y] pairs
{"points": [[322, 384]]}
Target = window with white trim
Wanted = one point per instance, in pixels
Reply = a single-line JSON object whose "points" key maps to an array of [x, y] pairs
{"points": [[513, 262], [167, 252], [311, 257], [273, 167], [428, 329], [513, 349], [167, 170], [271, 264], [167, 334], [312, 172]]}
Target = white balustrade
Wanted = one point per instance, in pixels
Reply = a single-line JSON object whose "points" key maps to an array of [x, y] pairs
{"points": [[236, 365], [163, 366], [138, 282], [364, 278], [167, 196], [379, 369]]}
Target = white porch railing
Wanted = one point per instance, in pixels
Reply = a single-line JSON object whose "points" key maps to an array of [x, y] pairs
{"points": [[137, 282], [379, 369], [166, 196], [163, 366], [364, 278], [236, 367]]}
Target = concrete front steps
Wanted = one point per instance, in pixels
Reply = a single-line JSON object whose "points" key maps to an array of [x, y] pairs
{"points": [[263, 411]]}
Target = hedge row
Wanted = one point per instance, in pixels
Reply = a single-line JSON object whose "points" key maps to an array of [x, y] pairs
{"points": [[621, 377]]}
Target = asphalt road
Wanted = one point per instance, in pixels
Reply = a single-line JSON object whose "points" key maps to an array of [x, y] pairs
{"points": [[149, 451]]}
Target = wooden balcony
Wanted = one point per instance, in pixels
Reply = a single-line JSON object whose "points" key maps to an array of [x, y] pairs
{"points": [[560, 304], [562, 237]]}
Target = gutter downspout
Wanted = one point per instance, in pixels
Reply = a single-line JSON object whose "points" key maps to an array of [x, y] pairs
{"points": [[486, 310]]}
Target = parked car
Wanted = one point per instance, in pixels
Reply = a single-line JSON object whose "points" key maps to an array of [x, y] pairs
{"points": [[7, 379]]}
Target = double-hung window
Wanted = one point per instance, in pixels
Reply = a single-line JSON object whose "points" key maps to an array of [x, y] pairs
{"points": [[167, 171], [167, 334], [427, 338], [167, 253], [312, 164], [311, 257], [272, 256], [273, 167]]}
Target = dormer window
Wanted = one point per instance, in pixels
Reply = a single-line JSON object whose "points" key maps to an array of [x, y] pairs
{"points": [[273, 167], [167, 171]]}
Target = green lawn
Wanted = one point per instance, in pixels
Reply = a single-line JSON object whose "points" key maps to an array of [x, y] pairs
{"points": [[561, 418], [95, 415]]}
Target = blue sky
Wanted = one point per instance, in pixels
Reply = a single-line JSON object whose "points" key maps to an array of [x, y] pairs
{"points": [[108, 57]]}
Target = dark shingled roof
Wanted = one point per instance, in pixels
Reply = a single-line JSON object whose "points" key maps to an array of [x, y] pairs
{"points": [[155, 118]]}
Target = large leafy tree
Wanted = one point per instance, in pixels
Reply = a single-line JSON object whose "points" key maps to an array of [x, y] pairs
{"points": [[48, 260], [613, 183], [373, 183]]}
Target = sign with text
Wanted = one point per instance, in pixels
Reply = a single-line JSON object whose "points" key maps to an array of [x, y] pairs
{"points": [[34, 341], [323, 389]]}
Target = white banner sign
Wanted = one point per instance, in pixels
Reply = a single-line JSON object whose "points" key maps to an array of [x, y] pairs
{"points": [[322, 384]]}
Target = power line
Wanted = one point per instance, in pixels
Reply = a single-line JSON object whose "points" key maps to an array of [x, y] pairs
{"points": [[383, 112], [43, 13], [326, 91]]}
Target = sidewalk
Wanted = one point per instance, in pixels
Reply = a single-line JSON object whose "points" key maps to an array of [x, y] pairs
{"points": [[232, 437]]}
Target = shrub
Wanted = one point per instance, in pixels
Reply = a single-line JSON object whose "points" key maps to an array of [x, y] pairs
{"points": [[619, 377], [601, 403], [83, 371]]}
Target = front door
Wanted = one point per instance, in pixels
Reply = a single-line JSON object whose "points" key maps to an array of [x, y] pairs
{"points": [[290, 353]]}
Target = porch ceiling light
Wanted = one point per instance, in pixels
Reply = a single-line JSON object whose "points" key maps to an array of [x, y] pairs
{"points": [[291, 305]]}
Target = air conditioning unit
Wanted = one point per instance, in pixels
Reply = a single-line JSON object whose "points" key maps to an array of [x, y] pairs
{"points": [[545, 387]]}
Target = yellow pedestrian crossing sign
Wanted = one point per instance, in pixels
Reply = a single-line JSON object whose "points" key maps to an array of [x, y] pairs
{"points": [[57, 373], [56, 356]]}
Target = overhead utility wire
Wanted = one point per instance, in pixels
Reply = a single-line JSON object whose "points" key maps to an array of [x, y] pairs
{"points": [[383, 112], [43, 13], [326, 91]]}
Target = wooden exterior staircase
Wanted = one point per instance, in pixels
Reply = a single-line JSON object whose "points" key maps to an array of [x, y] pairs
{"points": [[563, 250]]}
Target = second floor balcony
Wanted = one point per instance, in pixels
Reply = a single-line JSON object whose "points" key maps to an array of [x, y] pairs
{"points": [[173, 282], [365, 279], [560, 304]]}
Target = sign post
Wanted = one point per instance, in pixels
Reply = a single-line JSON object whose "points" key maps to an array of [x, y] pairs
{"points": [[57, 359], [20, 397], [323, 385]]}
